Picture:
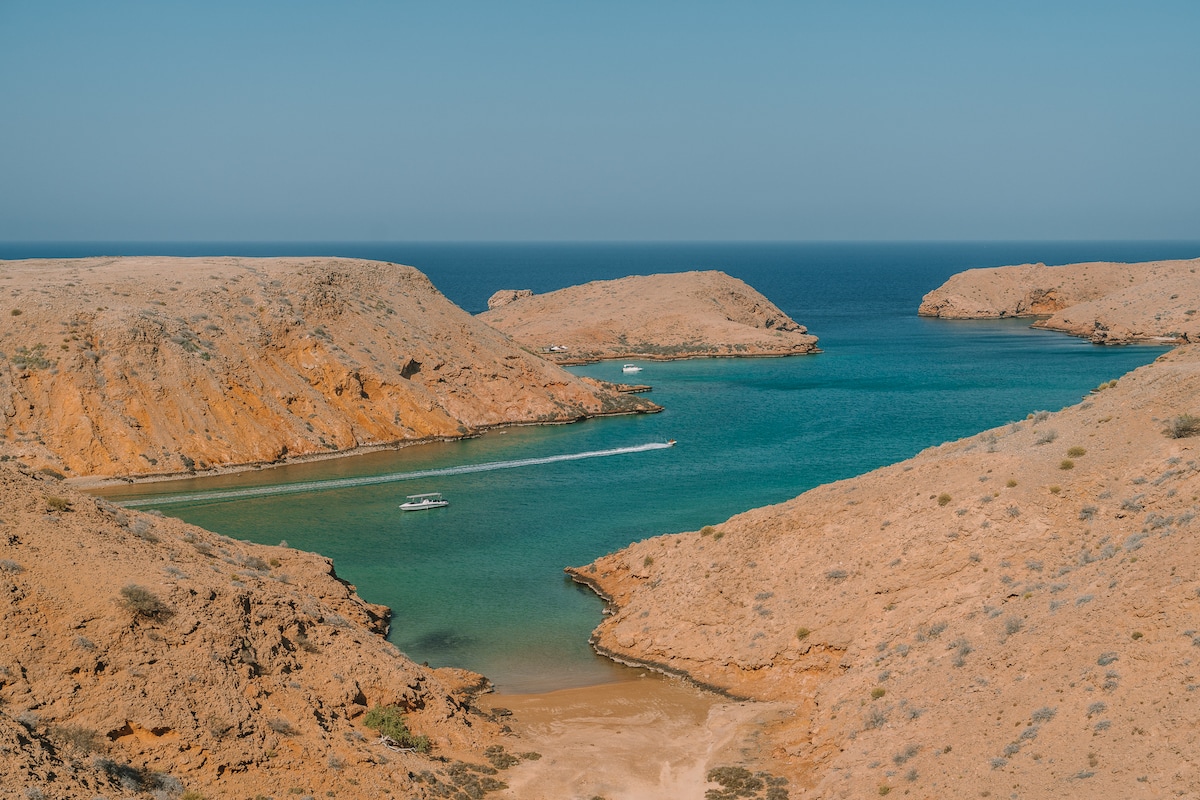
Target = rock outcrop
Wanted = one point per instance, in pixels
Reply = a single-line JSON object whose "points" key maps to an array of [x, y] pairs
{"points": [[1105, 302], [670, 316], [1020, 608], [142, 366], [506, 296], [141, 654]]}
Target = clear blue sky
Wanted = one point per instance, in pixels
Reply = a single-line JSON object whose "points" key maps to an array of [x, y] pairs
{"points": [[614, 120]]}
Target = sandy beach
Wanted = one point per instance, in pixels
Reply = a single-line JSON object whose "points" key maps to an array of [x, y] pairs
{"points": [[646, 738]]}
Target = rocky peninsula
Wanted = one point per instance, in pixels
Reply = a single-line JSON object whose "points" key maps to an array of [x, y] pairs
{"points": [[1016, 610], [157, 366], [1108, 303], [661, 317]]}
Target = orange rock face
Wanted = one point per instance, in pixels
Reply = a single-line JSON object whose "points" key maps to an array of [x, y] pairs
{"points": [[679, 315], [142, 654], [141, 366], [1105, 302], [1019, 608]]}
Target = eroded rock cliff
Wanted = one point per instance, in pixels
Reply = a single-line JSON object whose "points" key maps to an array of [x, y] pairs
{"points": [[139, 366], [677, 315]]}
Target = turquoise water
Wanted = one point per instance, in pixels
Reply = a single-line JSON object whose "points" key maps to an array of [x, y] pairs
{"points": [[480, 584]]}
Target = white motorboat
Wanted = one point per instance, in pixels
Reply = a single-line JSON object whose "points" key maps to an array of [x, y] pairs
{"points": [[420, 502], [631, 368]]}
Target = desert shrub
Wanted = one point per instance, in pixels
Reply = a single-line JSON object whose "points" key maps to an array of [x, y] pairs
{"points": [[906, 754], [389, 722], [255, 563], [836, 575], [707, 530], [1076, 452], [876, 718], [1066, 463], [141, 528], [802, 633], [31, 358], [282, 726], [647, 561], [1012, 625], [143, 603], [8, 565], [1011, 482], [943, 499], [1132, 503], [1047, 437], [878, 692], [499, 758], [1088, 512], [735, 782], [55, 503], [85, 740], [1044, 714], [1183, 426]]}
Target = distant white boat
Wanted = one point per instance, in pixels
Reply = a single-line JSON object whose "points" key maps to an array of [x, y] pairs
{"points": [[420, 502], [631, 368]]}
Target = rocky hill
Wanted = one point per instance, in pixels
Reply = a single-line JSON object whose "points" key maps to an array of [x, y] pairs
{"points": [[1016, 612], [678, 315], [143, 366], [141, 656], [1105, 302]]}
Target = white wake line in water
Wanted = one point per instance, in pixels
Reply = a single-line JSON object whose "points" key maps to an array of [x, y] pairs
{"points": [[370, 480]]}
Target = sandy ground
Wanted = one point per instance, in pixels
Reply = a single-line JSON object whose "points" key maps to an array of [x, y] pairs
{"points": [[643, 739]]}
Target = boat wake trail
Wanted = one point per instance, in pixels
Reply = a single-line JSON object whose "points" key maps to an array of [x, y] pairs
{"points": [[370, 480]]}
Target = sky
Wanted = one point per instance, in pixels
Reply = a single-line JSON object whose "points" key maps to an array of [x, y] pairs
{"points": [[601, 121]]}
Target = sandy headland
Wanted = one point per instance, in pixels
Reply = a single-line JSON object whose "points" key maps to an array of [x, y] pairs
{"points": [[661, 317]]}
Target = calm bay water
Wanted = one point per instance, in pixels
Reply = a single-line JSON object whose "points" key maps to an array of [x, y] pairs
{"points": [[480, 584]]}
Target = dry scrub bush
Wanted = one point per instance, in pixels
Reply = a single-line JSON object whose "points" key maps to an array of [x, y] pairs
{"points": [[1183, 426], [389, 722], [143, 603]]}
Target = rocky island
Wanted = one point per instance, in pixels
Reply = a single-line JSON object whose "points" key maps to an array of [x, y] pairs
{"points": [[662, 317], [158, 366]]}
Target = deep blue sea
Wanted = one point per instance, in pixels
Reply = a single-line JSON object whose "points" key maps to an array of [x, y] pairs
{"points": [[480, 584]]}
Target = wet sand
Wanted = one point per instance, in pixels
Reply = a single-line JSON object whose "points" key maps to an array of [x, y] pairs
{"points": [[647, 738]]}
